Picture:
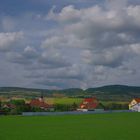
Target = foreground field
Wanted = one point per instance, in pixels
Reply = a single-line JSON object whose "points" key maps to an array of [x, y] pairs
{"points": [[117, 126]]}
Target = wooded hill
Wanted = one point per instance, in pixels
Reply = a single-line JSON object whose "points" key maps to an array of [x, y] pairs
{"points": [[111, 92]]}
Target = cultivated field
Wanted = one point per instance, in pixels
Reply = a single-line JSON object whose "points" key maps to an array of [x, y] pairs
{"points": [[117, 126]]}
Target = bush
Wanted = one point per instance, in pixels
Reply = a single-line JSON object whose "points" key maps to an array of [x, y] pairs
{"points": [[0, 104], [18, 102], [116, 106], [62, 107]]}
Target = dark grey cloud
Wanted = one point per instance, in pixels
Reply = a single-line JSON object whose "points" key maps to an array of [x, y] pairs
{"points": [[54, 59], [26, 57], [58, 83], [70, 72]]}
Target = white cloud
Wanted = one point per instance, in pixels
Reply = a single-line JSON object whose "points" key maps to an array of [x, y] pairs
{"points": [[68, 14], [9, 39], [106, 33], [30, 52], [135, 48]]}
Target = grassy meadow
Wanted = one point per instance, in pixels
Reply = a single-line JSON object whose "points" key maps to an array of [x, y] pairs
{"points": [[117, 126], [64, 100]]}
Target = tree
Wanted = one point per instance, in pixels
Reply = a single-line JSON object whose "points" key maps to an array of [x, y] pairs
{"points": [[116, 106], [74, 106], [0, 104], [100, 106], [62, 107], [18, 102], [20, 107]]}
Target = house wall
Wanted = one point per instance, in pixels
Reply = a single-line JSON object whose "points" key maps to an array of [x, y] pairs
{"points": [[139, 107], [132, 103], [135, 108]]}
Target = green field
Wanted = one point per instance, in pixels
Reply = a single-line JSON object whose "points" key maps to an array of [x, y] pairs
{"points": [[63, 100], [117, 126], [67, 100]]}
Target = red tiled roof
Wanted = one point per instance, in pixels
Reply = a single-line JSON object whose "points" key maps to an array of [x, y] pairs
{"points": [[137, 100], [89, 103], [38, 103], [90, 99]]}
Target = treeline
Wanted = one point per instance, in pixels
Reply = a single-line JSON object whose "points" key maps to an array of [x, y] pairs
{"points": [[116, 106]]}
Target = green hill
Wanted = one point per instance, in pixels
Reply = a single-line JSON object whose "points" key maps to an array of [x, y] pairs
{"points": [[115, 92], [111, 92]]}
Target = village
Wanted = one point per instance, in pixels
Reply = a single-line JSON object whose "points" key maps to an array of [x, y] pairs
{"points": [[88, 104]]}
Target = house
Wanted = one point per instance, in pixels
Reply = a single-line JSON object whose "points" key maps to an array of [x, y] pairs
{"points": [[9, 106], [88, 104], [40, 103], [134, 105]]}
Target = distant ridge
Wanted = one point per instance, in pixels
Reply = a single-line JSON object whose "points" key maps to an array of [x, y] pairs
{"points": [[109, 92]]}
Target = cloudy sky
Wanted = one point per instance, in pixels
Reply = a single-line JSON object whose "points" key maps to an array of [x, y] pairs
{"points": [[58, 44]]}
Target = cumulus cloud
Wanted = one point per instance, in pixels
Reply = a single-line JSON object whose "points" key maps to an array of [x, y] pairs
{"points": [[71, 72], [9, 39], [18, 58], [38, 60], [53, 58], [67, 77], [26, 57], [30, 52], [68, 14], [107, 57], [106, 33]]}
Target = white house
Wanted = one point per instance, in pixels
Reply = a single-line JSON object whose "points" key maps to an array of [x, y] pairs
{"points": [[135, 105]]}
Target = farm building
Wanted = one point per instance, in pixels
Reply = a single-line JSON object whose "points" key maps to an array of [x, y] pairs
{"points": [[88, 104], [135, 105], [40, 103]]}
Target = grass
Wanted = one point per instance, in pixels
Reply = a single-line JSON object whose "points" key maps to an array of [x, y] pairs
{"points": [[117, 102], [66, 100], [117, 126]]}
